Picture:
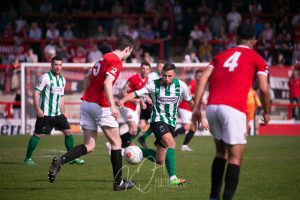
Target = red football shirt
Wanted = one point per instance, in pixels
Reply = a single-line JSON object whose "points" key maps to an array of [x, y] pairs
{"points": [[294, 85], [108, 65], [135, 83], [184, 104], [233, 75]]}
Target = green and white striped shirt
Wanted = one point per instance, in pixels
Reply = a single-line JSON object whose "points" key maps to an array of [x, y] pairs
{"points": [[165, 99], [52, 89]]}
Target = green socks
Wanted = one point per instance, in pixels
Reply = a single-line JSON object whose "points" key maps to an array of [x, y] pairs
{"points": [[146, 134], [32, 144], [150, 154], [69, 142], [170, 161]]}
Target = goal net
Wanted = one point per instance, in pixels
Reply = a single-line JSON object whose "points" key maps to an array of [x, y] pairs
{"points": [[76, 79]]}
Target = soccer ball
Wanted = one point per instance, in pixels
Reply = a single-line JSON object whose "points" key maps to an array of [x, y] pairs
{"points": [[133, 155]]}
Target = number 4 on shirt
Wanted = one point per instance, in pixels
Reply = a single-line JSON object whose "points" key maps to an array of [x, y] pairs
{"points": [[231, 62]]}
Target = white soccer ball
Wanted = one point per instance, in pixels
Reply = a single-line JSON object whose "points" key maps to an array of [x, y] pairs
{"points": [[133, 155]]}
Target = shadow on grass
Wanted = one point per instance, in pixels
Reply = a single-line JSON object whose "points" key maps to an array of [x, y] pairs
{"points": [[11, 163]]}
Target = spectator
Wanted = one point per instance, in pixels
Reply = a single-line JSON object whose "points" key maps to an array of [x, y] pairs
{"points": [[194, 57], [133, 33], [196, 35], [67, 7], [17, 105], [254, 7], [123, 28], [148, 34], [234, 19], [46, 7], [148, 58], [294, 85], [94, 55], [35, 32], [83, 7], [279, 59], [61, 49], [15, 82], [258, 25], [117, 8], [52, 32], [288, 46], [149, 6], [205, 50], [68, 33], [296, 19], [202, 25], [215, 23], [207, 35], [177, 11], [296, 53], [26, 7], [8, 32], [50, 50], [80, 56], [31, 56], [20, 23], [101, 34], [165, 35], [190, 47]]}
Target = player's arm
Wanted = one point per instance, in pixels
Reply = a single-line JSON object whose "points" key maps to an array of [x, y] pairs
{"points": [[37, 96], [125, 93], [200, 88], [136, 94], [108, 88], [265, 97]]}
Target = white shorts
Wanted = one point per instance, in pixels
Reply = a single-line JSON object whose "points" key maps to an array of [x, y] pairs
{"points": [[93, 115], [129, 115], [227, 124], [185, 116]]}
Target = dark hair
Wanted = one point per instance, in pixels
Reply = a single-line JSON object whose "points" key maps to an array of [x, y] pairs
{"points": [[123, 42], [145, 63], [245, 32], [198, 71], [168, 66], [56, 58]]}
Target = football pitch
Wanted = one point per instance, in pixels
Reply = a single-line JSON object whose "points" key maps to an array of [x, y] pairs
{"points": [[271, 170]]}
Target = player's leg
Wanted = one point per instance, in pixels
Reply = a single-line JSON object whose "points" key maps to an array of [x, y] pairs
{"points": [[61, 123], [235, 156], [132, 131], [188, 137], [32, 144], [43, 125], [217, 169], [186, 124], [113, 136], [234, 125], [219, 161], [145, 116]]}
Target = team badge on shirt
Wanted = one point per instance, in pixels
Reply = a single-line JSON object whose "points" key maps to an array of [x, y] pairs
{"points": [[114, 70]]}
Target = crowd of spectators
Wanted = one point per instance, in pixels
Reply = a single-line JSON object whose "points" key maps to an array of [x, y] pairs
{"points": [[200, 29]]}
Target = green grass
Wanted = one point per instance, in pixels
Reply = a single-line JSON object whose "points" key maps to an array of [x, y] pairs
{"points": [[271, 170]]}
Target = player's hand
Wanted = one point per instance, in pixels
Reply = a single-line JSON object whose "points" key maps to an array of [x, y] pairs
{"points": [[265, 120], [40, 113], [143, 105], [115, 112], [204, 124], [196, 117]]}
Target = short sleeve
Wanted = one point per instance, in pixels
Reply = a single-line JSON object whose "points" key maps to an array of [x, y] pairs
{"points": [[146, 90], [186, 94], [43, 80], [64, 84], [114, 69], [261, 66]]}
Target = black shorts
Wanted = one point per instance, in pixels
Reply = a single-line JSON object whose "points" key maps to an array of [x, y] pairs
{"points": [[159, 129], [146, 114], [44, 125]]}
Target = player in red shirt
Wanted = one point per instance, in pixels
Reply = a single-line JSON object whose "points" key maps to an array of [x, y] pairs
{"points": [[185, 114], [98, 109], [294, 85], [230, 75], [128, 112]]}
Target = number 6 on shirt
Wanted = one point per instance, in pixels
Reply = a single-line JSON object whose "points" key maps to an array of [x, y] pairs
{"points": [[231, 62]]}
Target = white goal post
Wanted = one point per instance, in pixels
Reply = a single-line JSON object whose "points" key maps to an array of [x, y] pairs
{"points": [[186, 70]]}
